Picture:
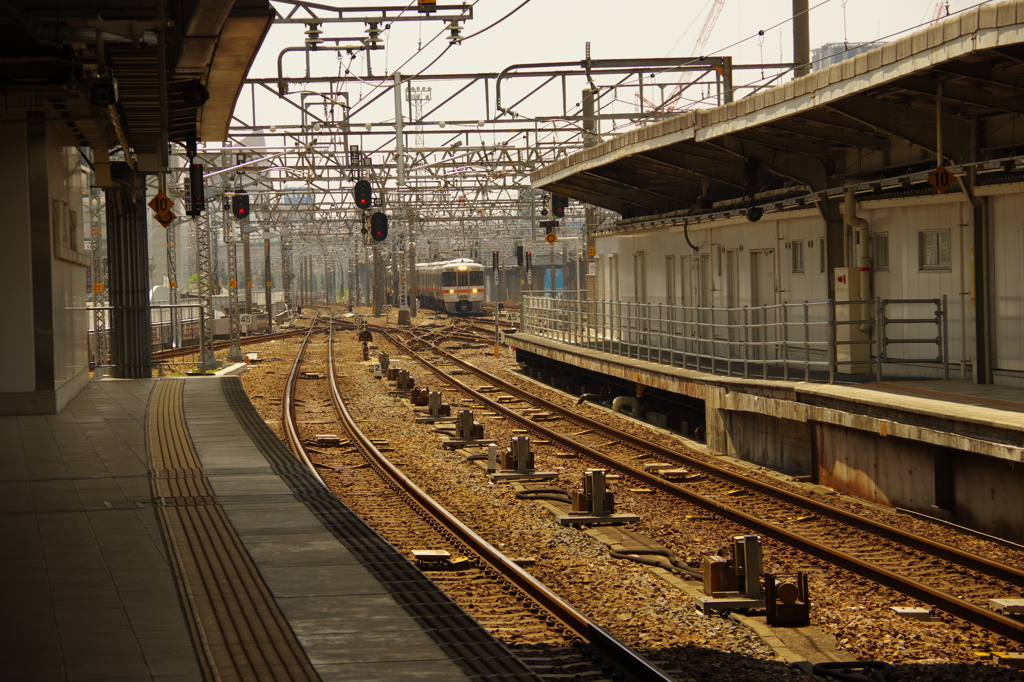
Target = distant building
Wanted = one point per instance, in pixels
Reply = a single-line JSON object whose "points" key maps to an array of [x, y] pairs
{"points": [[833, 53]]}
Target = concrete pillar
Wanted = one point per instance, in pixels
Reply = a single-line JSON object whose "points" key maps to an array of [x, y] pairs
{"points": [[716, 435]]}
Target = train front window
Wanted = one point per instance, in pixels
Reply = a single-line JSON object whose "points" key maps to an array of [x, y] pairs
{"points": [[476, 278], [448, 279], [463, 278]]}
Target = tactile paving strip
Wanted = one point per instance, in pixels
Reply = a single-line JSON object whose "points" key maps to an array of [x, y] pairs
{"points": [[465, 641], [240, 632]]}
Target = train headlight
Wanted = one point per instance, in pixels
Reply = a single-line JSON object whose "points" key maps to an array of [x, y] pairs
{"points": [[451, 291], [475, 291]]}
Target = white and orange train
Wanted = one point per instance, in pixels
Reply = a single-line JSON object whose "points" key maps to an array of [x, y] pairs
{"points": [[453, 286]]}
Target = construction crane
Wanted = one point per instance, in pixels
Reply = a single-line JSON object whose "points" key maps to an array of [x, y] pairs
{"points": [[709, 25], [698, 48], [941, 10]]}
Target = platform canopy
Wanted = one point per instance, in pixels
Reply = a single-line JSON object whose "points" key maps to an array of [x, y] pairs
{"points": [[66, 52], [869, 119]]}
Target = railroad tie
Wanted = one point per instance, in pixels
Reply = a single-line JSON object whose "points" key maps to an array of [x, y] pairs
{"points": [[238, 628]]}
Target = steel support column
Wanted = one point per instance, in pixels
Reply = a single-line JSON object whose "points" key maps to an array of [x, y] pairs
{"points": [[235, 333], [204, 248], [286, 272], [247, 264], [99, 280], [378, 282], [267, 291], [128, 271]]}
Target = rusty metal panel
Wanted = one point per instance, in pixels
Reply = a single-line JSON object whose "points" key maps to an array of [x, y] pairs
{"points": [[895, 472]]}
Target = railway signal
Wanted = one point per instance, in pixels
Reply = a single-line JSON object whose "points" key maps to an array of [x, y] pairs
{"points": [[519, 256], [240, 205], [379, 227], [494, 259], [363, 194], [196, 193], [558, 204]]}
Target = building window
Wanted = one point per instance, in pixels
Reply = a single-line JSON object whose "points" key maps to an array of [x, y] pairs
{"points": [[934, 250], [881, 244], [798, 255]]}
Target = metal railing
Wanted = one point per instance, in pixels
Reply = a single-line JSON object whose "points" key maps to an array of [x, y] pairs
{"points": [[165, 332], [812, 341]]}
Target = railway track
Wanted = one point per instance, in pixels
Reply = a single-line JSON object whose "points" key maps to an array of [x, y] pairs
{"points": [[952, 580], [548, 634], [170, 353]]}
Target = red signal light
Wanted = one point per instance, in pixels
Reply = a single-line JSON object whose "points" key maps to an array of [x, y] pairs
{"points": [[240, 205], [379, 227], [558, 204], [363, 194]]}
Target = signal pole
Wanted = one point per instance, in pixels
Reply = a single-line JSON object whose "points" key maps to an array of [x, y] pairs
{"points": [[403, 290], [247, 267], [378, 281], [267, 281]]}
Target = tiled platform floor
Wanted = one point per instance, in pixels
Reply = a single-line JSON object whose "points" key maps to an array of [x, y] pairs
{"points": [[86, 580], [87, 590]]}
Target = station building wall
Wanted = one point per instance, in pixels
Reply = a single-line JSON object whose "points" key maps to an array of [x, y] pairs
{"points": [[43, 265], [781, 259], [1008, 284]]}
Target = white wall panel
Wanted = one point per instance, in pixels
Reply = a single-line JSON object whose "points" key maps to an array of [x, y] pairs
{"points": [[70, 322], [1008, 275], [902, 219]]}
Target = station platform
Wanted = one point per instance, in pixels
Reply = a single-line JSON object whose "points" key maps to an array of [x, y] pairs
{"points": [[985, 418], [159, 530]]}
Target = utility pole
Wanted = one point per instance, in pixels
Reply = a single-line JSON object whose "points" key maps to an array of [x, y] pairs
{"points": [[590, 139], [801, 38]]}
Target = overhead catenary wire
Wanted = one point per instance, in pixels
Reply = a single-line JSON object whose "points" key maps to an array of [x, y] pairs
{"points": [[443, 52]]}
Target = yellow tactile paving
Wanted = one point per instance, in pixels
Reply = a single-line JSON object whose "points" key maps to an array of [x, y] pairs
{"points": [[239, 629]]}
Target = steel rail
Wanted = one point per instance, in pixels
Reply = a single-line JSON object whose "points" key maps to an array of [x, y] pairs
{"points": [[604, 643], [996, 623], [288, 421], [248, 340], [996, 569]]}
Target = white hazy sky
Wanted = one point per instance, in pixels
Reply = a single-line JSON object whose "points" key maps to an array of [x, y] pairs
{"points": [[558, 30]]}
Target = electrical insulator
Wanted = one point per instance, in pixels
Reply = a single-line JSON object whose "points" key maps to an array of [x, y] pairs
{"points": [[240, 205], [363, 194], [454, 32], [313, 40], [379, 227], [558, 204], [373, 32]]}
